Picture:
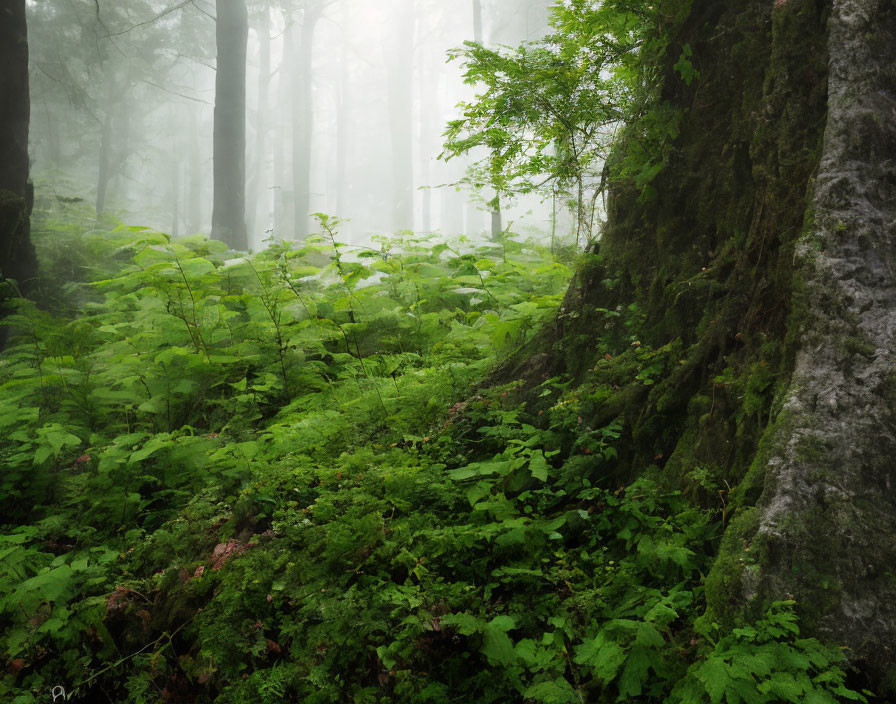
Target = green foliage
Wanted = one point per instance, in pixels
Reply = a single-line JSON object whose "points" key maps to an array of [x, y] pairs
{"points": [[548, 112], [767, 662], [189, 390], [279, 477], [265, 479]]}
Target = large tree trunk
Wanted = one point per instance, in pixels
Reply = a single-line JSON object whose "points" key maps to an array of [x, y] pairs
{"points": [[229, 209], [303, 123], [826, 521], [767, 253], [17, 259]]}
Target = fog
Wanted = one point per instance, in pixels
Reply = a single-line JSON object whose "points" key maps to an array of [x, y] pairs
{"points": [[346, 101]]}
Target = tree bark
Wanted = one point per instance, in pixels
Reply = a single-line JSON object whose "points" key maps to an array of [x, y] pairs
{"points": [[175, 189], [17, 258], [428, 81], [401, 107], [343, 112], [105, 154], [193, 209], [826, 521], [477, 21], [303, 122], [229, 209], [258, 193], [497, 227], [497, 224], [284, 200]]}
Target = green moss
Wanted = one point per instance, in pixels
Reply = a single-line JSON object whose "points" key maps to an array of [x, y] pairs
{"points": [[810, 449], [857, 345], [730, 580]]}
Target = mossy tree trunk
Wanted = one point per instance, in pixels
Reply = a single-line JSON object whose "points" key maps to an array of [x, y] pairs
{"points": [[825, 524], [17, 259], [762, 259]]}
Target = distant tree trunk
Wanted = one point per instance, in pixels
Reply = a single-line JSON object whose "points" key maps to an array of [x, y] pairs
{"points": [[119, 184], [193, 207], [54, 143], [494, 205], [303, 121], [477, 21], [229, 209], [17, 259], [257, 209], [497, 225], [105, 155], [428, 81], [175, 193], [284, 220], [401, 117], [343, 112]]}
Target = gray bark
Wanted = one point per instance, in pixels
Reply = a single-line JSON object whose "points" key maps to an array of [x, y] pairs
{"points": [[257, 205], [497, 224], [827, 516], [497, 227], [343, 111], [303, 121], [477, 21], [284, 214], [193, 208], [175, 192], [400, 98], [229, 209], [428, 76], [104, 168]]}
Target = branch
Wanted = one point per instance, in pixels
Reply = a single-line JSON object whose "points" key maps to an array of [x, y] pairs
{"points": [[174, 92], [162, 14]]}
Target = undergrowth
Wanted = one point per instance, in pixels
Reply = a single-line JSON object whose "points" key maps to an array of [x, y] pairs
{"points": [[270, 479]]}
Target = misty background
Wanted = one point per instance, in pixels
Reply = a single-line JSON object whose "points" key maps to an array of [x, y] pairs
{"points": [[347, 101]]}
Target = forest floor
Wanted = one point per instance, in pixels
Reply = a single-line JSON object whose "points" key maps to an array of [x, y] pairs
{"points": [[281, 477]]}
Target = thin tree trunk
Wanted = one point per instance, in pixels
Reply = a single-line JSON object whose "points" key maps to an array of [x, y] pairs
{"points": [[342, 120], [497, 227], [122, 144], [229, 209], [175, 192], [401, 118], [553, 220], [193, 210], [54, 144], [428, 82], [303, 122], [105, 155], [477, 21], [284, 219], [257, 208]]}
